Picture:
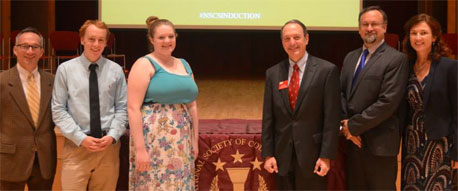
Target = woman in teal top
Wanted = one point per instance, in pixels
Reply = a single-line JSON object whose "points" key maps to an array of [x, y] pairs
{"points": [[162, 115]]}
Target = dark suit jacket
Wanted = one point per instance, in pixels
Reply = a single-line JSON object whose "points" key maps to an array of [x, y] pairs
{"points": [[19, 139], [311, 129], [372, 105], [440, 101]]}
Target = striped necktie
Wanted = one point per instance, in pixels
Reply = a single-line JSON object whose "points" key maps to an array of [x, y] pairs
{"points": [[33, 98]]}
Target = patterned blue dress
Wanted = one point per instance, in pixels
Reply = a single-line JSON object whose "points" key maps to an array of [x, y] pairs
{"points": [[426, 164]]}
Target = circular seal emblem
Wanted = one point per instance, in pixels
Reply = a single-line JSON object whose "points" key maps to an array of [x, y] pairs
{"points": [[231, 162]]}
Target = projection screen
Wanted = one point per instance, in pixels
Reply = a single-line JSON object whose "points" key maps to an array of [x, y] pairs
{"points": [[233, 14]]}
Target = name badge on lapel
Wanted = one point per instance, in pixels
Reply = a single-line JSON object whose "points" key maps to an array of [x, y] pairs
{"points": [[283, 85]]}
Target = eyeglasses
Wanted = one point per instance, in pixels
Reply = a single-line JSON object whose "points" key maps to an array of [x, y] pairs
{"points": [[26, 47], [374, 25]]}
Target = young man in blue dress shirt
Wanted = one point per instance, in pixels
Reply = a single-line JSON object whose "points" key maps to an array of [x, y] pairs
{"points": [[90, 157]]}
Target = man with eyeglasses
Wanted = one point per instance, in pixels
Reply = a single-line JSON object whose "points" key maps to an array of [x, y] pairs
{"points": [[373, 81], [27, 138]]}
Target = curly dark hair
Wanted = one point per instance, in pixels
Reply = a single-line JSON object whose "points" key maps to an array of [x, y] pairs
{"points": [[439, 47]]}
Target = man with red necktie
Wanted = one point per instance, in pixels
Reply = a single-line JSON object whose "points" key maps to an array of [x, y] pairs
{"points": [[301, 114]]}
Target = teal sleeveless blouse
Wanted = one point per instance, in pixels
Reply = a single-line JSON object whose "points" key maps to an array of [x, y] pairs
{"points": [[168, 88]]}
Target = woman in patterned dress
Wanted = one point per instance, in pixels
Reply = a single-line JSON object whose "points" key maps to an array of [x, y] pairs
{"points": [[429, 151], [162, 115]]}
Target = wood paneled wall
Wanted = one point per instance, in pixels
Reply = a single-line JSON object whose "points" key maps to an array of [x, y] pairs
{"points": [[452, 21]]}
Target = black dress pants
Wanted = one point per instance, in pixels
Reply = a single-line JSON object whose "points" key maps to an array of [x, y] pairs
{"points": [[365, 171], [295, 179]]}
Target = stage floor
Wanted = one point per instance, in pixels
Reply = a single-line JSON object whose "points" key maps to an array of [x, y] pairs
{"points": [[230, 98]]}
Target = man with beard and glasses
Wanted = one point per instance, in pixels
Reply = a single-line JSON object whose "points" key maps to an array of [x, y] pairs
{"points": [[373, 81]]}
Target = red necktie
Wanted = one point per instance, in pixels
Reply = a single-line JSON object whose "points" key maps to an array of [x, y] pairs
{"points": [[293, 87]]}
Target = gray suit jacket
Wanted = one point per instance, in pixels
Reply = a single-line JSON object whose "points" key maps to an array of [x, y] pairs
{"points": [[20, 141], [372, 104], [312, 128]]}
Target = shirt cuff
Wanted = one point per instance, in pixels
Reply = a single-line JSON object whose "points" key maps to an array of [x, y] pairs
{"points": [[115, 134], [78, 138]]}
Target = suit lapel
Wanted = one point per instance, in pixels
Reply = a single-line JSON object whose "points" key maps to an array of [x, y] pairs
{"points": [[18, 95], [372, 60], [353, 61], [307, 79], [283, 76], [46, 92], [429, 81]]}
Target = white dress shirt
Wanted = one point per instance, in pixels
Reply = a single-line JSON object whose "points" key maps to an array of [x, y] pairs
{"points": [[24, 74]]}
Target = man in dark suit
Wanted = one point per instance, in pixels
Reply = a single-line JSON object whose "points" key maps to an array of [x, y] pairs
{"points": [[27, 138], [300, 115], [373, 81]]}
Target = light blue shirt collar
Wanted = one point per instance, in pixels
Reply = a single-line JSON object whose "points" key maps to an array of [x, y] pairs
{"points": [[86, 62], [301, 63], [372, 49]]}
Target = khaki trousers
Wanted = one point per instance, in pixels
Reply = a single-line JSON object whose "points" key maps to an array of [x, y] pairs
{"points": [[85, 170]]}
